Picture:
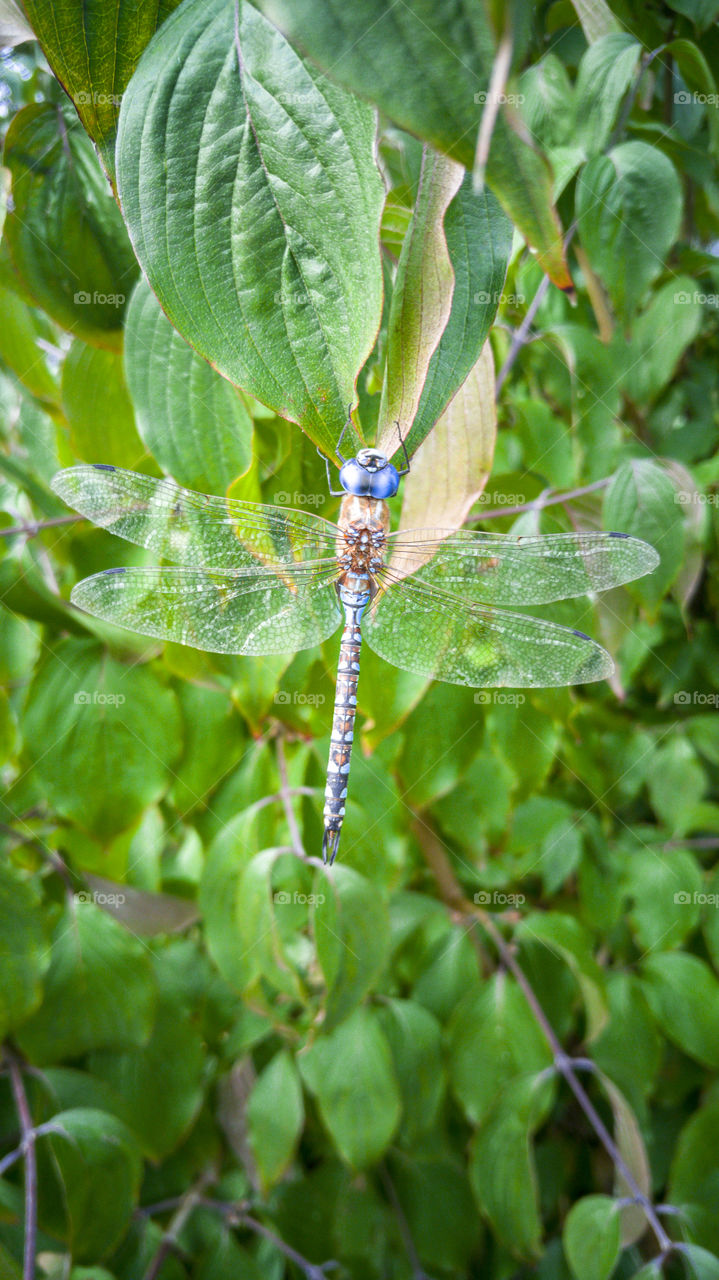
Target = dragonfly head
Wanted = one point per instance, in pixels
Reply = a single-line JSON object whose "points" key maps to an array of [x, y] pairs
{"points": [[369, 475]]}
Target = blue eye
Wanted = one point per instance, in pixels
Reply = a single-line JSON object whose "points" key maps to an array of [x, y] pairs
{"points": [[354, 478], [384, 483]]}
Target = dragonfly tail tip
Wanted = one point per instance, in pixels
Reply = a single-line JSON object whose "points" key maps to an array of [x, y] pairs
{"points": [[330, 843]]}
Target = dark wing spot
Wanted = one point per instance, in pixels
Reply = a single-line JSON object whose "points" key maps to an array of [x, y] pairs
{"points": [[104, 466], [120, 570], [577, 633], [619, 535]]}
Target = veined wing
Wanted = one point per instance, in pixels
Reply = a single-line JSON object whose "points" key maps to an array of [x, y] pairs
{"points": [[498, 568], [223, 613], [435, 634], [195, 529]]}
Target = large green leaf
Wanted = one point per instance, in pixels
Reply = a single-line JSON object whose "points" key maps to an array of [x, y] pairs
{"points": [[100, 1169], [683, 994], [192, 420], [93, 50], [629, 206], [592, 1237], [275, 1115], [352, 937], [250, 189], [641, 500], [415, 1040], [101, 736], [22, 331], [98, 408], [23, 948], [428, 67], [65, 233], [99, 989], [350, 1072], [502, 1170], [563, 935], [604, 76], [694, 1183]]}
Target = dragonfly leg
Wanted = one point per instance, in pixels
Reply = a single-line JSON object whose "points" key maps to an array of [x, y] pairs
{"points": [[405, 468]]}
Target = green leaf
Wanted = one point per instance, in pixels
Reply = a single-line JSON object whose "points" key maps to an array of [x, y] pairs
{"points": [[421, 298], [191, 419], [98, 409], [660, 336], [100, 1168], [161, 1082], [492, 1038], [605, 73], [23, 948], [683, 995], [640, 500], [697, 75], [414, 1037], [101, 736], [428, 70], [436, 1201], [459, 449], [22, 331], [564, 936], [352, 937], [693, 1180], [596, 18], [99, 989], [213, 743], [629, 206], [591, 1237], [350, 1073], [285, 303], [664, 887], [628, 1007], [65, 233], [93, 52], [702, 1264], [502, 1169], [701, 12], [275, 1116], [479, 240]]}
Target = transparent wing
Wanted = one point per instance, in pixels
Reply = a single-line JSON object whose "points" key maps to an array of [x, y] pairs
{"points": [[191, 528], [437, 635], [222, 613], [502, 569]]}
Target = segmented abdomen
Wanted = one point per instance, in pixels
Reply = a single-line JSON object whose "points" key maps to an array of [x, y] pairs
{"points": [[343, 720]]}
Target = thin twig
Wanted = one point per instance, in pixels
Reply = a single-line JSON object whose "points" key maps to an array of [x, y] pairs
{"points": [[438, 863], [187, 1204], [32, 528], [418, 1271], [27, 1144], [50, 1126], [538, 504]]}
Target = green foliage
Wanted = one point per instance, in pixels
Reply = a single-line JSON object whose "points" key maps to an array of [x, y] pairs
{"points": [[216, 1037]]}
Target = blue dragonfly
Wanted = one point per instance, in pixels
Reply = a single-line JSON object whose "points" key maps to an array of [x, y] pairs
{"points": [[256, 579]]}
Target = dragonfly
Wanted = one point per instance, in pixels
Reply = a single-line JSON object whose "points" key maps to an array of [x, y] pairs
{"points": [[249, 578]]}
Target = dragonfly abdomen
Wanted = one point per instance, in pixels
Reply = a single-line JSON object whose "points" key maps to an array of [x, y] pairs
{"points": [[343, 721]]}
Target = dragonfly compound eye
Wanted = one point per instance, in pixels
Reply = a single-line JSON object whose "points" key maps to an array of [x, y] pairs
{"points": [[384, 483], [355, 478]]}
